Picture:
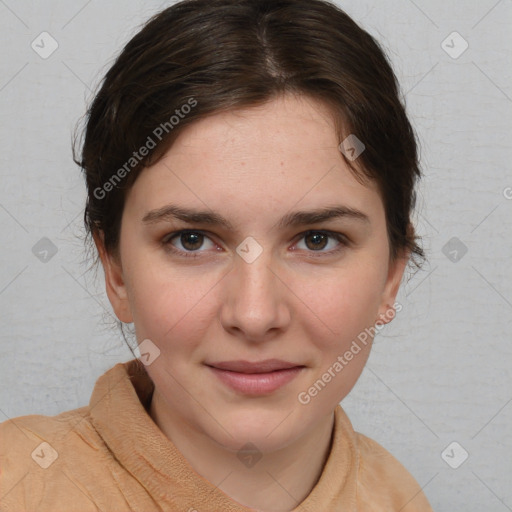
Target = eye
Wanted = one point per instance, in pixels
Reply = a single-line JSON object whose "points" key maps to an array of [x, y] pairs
{"points": [[316, 241], [190, 240]]}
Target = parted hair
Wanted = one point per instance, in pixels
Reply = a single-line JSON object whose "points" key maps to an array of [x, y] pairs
{"points": [[200, 57]]}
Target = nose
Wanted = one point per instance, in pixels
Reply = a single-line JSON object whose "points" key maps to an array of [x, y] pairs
{"points": [[256, 304]]}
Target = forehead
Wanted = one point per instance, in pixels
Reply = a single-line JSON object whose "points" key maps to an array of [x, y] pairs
{"points": [[286, 129], [273, 156]]}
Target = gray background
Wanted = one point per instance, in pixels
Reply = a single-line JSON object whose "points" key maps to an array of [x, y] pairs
{"points": [[441, 372]]}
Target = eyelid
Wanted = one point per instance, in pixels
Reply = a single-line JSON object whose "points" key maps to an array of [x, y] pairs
{"points": [[175, 234], [342, 239]]}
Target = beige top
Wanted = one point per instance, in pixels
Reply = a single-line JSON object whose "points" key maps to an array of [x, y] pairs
{"points": [[111, 456]]}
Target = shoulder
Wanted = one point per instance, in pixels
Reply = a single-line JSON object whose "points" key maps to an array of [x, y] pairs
{"points": [[35, 457], [384, 483], [27, 432], [24, 434]]}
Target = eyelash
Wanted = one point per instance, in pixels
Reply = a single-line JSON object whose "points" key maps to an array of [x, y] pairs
{"points": [[342, 239]]}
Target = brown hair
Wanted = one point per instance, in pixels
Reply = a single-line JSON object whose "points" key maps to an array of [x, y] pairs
{"points": [[200, 57]]}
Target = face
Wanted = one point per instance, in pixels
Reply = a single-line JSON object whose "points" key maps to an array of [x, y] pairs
{"points": [[258, 286]]}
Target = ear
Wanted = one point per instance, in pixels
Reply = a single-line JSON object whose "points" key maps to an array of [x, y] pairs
{"points": [[395, 273], [114, 281]]}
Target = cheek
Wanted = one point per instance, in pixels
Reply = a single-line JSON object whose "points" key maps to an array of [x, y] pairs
{"points": [[341, 331], [170, 307], [343, 305]]}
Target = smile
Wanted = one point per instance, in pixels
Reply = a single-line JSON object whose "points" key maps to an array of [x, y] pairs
{"points": [[258, 382]]}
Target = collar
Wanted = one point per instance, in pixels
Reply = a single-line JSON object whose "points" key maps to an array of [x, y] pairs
{"points": [[119, 408]]}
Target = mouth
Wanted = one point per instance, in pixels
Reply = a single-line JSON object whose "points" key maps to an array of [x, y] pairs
{"points": [[266, 366], [255, 378]]}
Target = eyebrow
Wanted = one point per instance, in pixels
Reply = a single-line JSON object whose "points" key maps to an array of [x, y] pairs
{"points": [[297, 218]]}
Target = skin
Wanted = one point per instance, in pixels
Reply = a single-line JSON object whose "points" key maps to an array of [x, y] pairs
{"points": [[297, 301]]}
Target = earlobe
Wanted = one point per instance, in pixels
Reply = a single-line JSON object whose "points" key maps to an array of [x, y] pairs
{"points": [[115, 285]]}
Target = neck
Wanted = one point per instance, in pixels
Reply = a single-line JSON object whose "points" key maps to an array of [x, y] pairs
{"points": [[278, 482]]}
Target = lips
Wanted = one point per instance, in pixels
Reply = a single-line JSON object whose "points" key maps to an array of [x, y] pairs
{"points": [[255, 378], [266, 366]]}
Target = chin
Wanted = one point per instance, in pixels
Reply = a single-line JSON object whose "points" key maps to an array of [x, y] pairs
{"points": [[268, 429]]}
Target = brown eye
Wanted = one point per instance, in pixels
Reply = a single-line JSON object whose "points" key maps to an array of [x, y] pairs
{"points": [[191, 241], [317, 241]]}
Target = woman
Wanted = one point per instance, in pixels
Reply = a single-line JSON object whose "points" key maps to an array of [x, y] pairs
{"points": [[250, 172]]}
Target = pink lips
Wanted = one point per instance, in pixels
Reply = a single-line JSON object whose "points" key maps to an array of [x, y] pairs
{"points": [[256, 378]]}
